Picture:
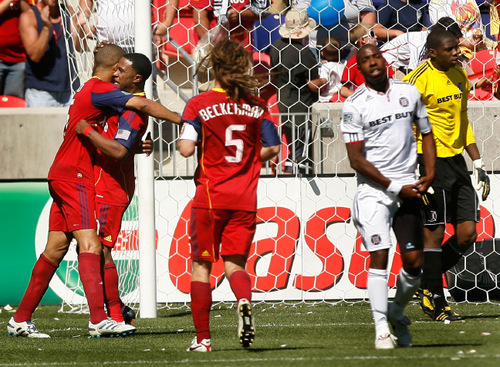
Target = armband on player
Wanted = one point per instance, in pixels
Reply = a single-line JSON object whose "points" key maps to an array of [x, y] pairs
{"points": [[88, 130], [394, 188]]}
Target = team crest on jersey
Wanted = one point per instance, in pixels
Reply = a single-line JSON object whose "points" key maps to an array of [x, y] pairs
{"points": [[347, 117], [376, 240], [403, 101]]}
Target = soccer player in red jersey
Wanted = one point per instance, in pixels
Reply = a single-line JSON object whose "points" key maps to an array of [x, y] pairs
{"points": [[234, 135], [114, 170], [71, 185]]}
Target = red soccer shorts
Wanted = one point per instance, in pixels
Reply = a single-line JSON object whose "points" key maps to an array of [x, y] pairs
{"points": [[110, 222], [220, 232], [73, 207]]}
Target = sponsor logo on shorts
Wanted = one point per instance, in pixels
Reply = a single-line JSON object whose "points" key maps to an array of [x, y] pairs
{"points": [[410, 246], [376, 240], [403, 101], [108, 238], [205, 253]]}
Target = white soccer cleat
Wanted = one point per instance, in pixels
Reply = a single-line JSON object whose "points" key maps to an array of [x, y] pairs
{"points": [[25, 328], [110, 328], [400, 327], [387, 341], [204, 346], [246, 323]]}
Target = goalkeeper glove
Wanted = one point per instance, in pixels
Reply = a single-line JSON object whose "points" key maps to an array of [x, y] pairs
{"points": [[481, 179]]}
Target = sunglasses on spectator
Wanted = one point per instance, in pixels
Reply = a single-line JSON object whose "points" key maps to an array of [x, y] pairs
{"points": [[369, 35]]}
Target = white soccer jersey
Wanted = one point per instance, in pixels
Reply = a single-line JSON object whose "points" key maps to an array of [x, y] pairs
{"points": [[406, 50], [384, 122]]}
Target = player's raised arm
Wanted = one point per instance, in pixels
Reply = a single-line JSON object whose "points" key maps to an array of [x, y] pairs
{"points": [[153, 108]]}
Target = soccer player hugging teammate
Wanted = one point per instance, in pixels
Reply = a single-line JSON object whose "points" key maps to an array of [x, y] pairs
{"points": [[114, 172], [72, 187], [445, 89], [234, 134], [377, 126]]}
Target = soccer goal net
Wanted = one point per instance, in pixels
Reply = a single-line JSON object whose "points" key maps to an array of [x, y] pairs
{"points": [[306, 247]]}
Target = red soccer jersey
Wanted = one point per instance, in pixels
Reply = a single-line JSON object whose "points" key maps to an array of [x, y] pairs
{"points": [[115, 181], [229, 144], [74, 160], [353, 75]]}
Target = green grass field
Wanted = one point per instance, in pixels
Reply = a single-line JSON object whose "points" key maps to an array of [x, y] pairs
{"points": [[291, 335]]}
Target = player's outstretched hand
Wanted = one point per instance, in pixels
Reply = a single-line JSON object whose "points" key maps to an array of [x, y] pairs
{"points": [[147, 145], [481, 179]]}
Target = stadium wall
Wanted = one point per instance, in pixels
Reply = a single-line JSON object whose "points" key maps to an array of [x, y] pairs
{"points": [[30, 138]]}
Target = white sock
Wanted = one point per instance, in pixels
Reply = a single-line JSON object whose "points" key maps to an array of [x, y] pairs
{"points": [[406, 287], [377, 292]]}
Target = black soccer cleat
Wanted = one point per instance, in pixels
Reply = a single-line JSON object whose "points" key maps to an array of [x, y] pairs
{"points": [[246, 323], [128, 314], [446, 313]]}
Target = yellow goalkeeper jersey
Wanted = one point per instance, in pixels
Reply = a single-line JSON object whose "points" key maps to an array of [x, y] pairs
{"points": [[445, 95]]}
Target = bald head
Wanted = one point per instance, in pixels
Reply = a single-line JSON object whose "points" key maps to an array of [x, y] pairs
{"points": [[108, 55]]}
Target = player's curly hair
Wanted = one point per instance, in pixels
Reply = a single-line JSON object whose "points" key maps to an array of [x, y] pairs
{"points": [[232, 67]]}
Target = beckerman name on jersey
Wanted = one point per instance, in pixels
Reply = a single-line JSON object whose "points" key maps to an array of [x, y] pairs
{"points": [[230, 108]]}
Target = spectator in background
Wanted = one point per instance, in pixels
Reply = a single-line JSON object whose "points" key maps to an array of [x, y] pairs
{"points": [[295, 76], [171, 9], [237, 16], [466, 13], [47, 70], [396, 17], [404, 53], [355, 12], [12, 54], [352, 78], [115, 21], [331, 70]]}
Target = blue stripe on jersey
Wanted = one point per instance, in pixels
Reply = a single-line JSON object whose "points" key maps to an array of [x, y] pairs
{"points": [[115, 99], [268, 134], [196, 123], [125, 123]]}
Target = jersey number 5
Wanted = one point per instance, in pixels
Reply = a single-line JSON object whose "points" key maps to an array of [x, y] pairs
{"points": [[238, 143]]}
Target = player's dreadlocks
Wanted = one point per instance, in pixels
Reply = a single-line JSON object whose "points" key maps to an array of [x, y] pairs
{"points": [[231, 65]]}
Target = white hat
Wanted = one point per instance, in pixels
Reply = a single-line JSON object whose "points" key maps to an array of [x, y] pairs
{"points": [[297, 24]]}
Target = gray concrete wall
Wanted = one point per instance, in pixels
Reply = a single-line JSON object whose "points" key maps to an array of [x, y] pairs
{"points": [[30, 138], [331, 157]]}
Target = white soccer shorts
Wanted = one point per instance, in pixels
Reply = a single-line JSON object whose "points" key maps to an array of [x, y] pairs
{"points": [[372, 212]]}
